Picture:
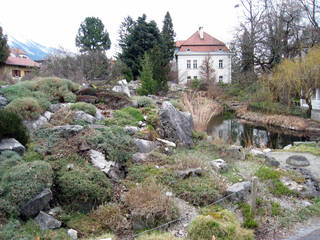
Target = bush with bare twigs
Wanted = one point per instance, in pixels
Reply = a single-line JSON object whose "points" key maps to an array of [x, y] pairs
{"points": [[201, 108], [150, 202]]}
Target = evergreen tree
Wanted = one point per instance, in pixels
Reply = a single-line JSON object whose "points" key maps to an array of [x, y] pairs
{"points": [[146, 77], [168, 36], [4, 48], [142, 37], [160, 68], [92, 36]]}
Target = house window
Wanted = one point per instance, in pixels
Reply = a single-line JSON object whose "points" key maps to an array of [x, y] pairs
{"points": [[220, 63], [195, 64], [195, 77], [188, 63], [16, 73], [27, 72], [220, 79]]}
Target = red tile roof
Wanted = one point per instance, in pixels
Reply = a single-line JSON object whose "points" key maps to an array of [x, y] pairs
{"points": [[17, 51], [24, 62], [196, 44]]}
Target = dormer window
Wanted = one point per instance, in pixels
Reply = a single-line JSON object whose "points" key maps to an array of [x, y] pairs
{"points": [[220, 49], [188, 49]]}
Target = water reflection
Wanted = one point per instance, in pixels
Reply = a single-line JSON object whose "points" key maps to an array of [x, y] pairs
{"points": [[233, 131]]}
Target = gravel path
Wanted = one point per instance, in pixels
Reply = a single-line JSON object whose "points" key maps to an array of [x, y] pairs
{"points": [[188, 213]]}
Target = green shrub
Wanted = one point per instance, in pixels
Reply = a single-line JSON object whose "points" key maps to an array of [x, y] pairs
{"points": [[19, 90], [57, 89], [27, 108], [12, 127], [145, 101], [195, 83], [85, 107], [8, 159], [83, 188], [153, 119], [126, 116], [222, 225], [116, 143], [24, 181]]}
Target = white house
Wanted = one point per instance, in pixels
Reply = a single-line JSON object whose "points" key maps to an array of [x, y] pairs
{"points": [[191, 53]]}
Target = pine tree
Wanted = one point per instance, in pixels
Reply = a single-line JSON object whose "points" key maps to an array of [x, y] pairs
{"points": [[168, 36], [4, 48], [146, 77], [92, 36]]}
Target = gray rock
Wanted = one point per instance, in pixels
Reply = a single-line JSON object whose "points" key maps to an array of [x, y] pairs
{"points": [[3, 102], [122, 87], [68, 130], [304, 143], [166, 142], [33, 125], [177, 126], [236, 152], [38, 203], [110, 168], [55, 107], [267, 150], [11, 144], [144, 146], [47, 115], [271, 161], [99, 116], [287, 147], [257, 153], [239, 190], [72, 233], [97, 126], [142, 124], [189, 172], [139, 157], [45, 221], [134, 103], [219, 165], [81, 115], [55, 211], [131, 130]]}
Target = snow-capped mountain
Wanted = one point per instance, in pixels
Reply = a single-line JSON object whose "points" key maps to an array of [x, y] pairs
{"points": [[34, 50]]}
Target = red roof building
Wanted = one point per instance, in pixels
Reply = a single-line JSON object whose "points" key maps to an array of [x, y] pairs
{"points": [[191, 53]]}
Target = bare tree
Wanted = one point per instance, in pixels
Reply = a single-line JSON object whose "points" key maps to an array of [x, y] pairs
{"points": [[207, 72]]}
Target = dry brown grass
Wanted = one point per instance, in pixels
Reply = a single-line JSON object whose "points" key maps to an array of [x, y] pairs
{"points": [[150, 201], [62, 117], [190, 160], [110, 217], [201, 108]]}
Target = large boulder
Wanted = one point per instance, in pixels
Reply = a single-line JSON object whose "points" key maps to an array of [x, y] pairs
{"points": [[45, 221], [189, 172], [177, 126], [81, 115], [68, 130], [11, 144], [38, 203], [139, 157], [131, 130], [122, 87], [144, 146]]}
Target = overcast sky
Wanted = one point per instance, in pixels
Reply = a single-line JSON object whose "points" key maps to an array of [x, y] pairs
{"points": [[55, 23]]}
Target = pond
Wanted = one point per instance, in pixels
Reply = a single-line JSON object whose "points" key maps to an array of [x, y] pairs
{"points": [[228, 129]]}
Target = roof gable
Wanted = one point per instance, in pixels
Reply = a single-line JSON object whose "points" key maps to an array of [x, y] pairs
{"points": [[207, 40]]}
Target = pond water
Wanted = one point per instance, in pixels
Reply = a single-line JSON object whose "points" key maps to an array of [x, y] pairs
{"points": [[231, 130]]}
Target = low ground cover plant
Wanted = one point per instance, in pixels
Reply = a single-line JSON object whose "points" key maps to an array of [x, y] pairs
{"points": [[125, 116], [85, 107], [27, 108]]}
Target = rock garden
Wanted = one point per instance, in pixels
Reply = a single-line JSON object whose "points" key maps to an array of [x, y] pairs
{"points": [[98, 163]]}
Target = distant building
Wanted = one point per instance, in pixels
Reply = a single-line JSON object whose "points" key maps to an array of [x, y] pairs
{"points": [[191, 53], [18, 64]]}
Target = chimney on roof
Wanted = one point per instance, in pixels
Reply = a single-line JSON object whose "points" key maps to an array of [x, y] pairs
{"points": [[201, 32]]}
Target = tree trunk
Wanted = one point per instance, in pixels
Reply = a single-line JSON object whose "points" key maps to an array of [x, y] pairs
{"points": [[308, 101]]}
